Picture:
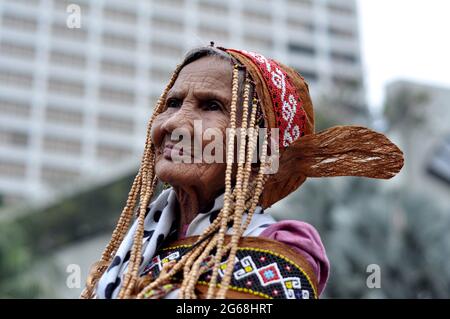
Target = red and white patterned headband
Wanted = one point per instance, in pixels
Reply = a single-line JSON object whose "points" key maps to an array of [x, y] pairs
{"points": [[287, 106]]}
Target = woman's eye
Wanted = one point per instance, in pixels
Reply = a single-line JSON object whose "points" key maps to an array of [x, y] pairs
{"points": [[211, 106], [173, 103]]}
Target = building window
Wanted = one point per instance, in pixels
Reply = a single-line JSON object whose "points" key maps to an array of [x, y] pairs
{"points": [[252, 16], [340, 9], [172, 3], [112, 152], [63, 116], [56, 176], [68, 59], [341, 33], [15, 108], [63, 32], [34, 3], [117, 95], [17, 50], [118, 41], [66, 87], [310, 76], [19, 23], [118, 68], [166, 23], [15, 78], [120, 15], [212, 32], [12, 169], [301, 48], [61, 5], [115, 124], [438, 165], [159, 74], [300, 3], [60, 145], [260, 42], [344, 57], [347, 82], [213, 8], [296, 24], [13, 138], [164, 49]]}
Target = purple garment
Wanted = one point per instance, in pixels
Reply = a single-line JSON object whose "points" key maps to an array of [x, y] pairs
{"points": [[305, 239]]}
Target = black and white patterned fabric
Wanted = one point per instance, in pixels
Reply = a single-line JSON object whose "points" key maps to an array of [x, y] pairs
{"points": [[160, 224]]}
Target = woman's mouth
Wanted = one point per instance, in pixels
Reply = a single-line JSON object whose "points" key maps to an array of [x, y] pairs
{"points": [[170, 152], [167, 152]]}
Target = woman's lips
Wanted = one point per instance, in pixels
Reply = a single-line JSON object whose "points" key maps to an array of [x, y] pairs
{"points": [[170, 151], [167, 152]]}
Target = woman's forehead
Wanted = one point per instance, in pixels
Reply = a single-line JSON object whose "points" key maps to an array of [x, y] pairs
{"points": [[209, 72]]}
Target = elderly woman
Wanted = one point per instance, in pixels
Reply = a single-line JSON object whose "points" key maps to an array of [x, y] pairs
{"points": [[207, 234]]}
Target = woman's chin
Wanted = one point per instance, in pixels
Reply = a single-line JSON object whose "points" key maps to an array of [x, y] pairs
{"points": [[173, 173]]}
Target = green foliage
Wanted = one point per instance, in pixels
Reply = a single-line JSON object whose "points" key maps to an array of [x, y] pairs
{"points": [[12, 254], [405, 234], [15, 258], [80, 216], [27, 240]]}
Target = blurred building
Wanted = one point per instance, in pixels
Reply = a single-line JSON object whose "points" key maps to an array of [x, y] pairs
{"points": [[424, 134], [74, 102]]}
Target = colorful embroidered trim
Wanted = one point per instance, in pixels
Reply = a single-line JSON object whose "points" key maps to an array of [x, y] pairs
{"points": [[257, 271]]}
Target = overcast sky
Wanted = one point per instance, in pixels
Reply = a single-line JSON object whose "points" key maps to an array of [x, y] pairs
{"points": [[407, 39]]}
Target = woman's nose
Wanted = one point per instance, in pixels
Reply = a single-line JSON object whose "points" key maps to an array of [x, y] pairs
{"points": [[182, 119]]}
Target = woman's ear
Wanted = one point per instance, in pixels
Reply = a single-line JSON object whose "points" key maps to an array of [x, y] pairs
{"points": [[346, 151]]}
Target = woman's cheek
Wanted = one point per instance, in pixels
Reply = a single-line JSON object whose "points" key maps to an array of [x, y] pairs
{"points": [[216, 132], [156, 131]]}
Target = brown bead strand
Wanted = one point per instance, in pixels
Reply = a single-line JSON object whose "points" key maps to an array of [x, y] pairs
{"points": [[258, 181], [127, 213], [252, 136], [190, 257], [240, 197], [194, 274], [188, 271], [191, 276], [227, 196], [163, 278], [261, 178], [147, 189], [242, 182], [227, 276]]}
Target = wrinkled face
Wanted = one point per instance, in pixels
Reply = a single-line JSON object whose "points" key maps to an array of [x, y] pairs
{"points": [[195, 119]]}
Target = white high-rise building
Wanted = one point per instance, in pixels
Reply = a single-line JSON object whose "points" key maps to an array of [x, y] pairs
{"points": [[74, 102]]}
